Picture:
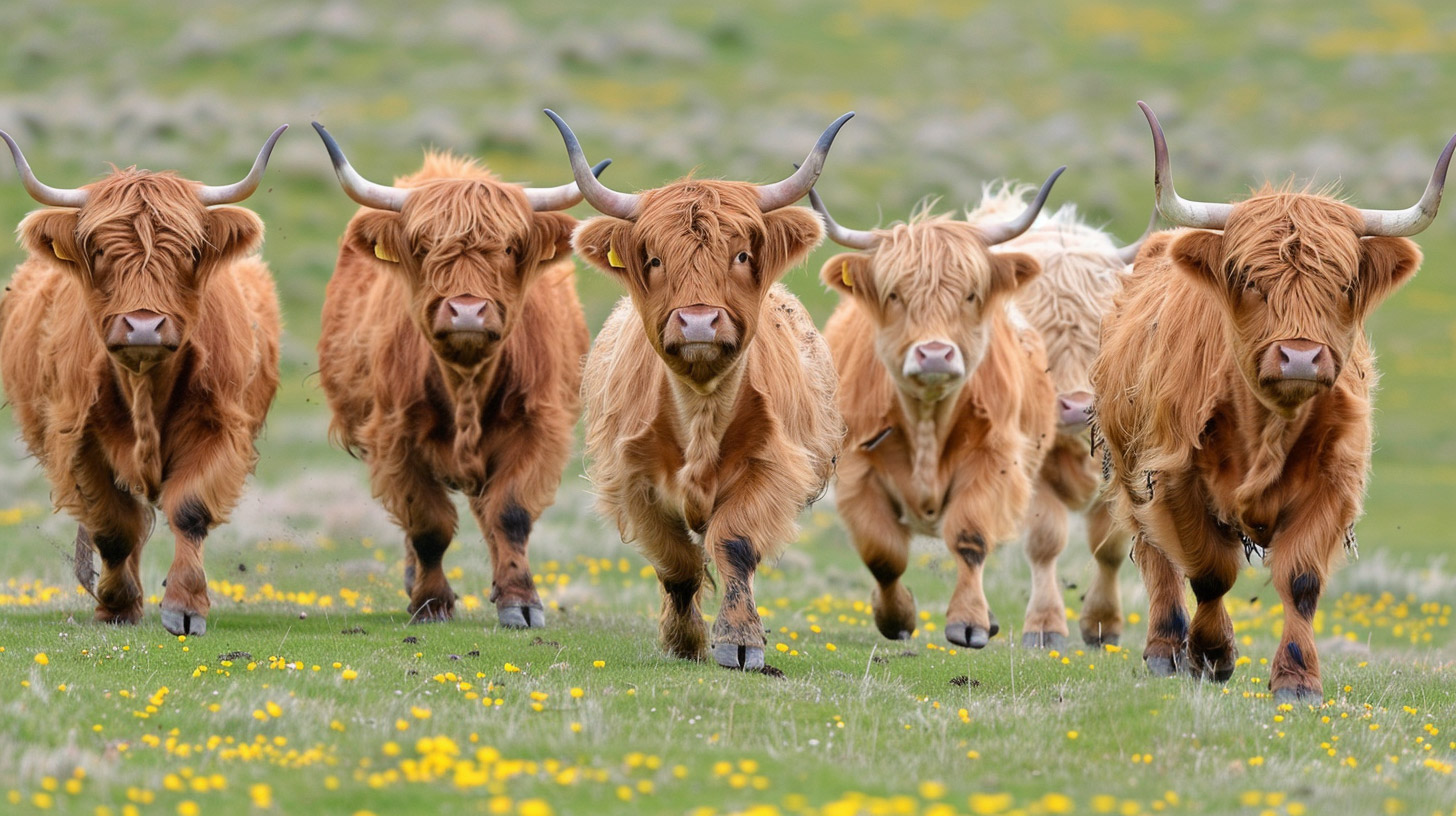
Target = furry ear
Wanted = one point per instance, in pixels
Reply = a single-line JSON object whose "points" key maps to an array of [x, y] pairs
{"points": [[1385, 265], [848, 273], [790, 234], [1200, 253], [1011, 271], [602, 242], [550, 235], [231, 232], [379, 233], [51, 234]]}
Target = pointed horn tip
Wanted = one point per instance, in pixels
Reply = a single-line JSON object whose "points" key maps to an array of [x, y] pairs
{"points": [[600, 166]]}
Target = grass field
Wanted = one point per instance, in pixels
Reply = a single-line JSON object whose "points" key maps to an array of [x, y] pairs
{"points": [[310, 691]]}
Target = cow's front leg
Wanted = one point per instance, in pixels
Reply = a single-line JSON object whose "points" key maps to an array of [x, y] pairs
{"points": [[1299, 578], [968, 619], [884, 546], [738, 636], [1101, 619], [1212, 652], [185, 603], [507, 527], [1166, 651], [420, 505], [1046, 613], [115, 526]]}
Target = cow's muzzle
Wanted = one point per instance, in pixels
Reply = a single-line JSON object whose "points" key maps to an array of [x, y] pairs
{"points": [[1074, 408], [466, 327], [1292, 371], [141, 339], [698, 334], [934, 363]]}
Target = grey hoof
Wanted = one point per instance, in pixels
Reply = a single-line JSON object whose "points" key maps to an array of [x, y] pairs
{"points": [[733, 656], [1299, 696], [1043, 640], [522, 617], [1162, 666], [968, 635], [183, 623]]}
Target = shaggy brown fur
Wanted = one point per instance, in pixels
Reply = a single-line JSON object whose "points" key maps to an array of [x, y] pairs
{"points": [[1209, 453], [1081, 272], [178, 435], [730, 445], [959, 461], [432, 413]]}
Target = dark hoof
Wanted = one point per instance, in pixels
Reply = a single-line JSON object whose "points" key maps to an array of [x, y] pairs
{"points": [[1299, 696], [1162, 666], [733, 656], [1097, 637], [432, 612], [409, 579], [968, 635], [1217, 670], [179, 622], [522, 617], [898, 623], [1043, 640]]}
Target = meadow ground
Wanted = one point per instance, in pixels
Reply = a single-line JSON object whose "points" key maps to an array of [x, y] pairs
{"points": [[310, 691]]}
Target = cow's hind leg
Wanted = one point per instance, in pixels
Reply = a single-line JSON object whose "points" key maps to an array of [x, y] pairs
{"points": [[1101, 619], [1046, 613], [884, 546], [1166, 650]]}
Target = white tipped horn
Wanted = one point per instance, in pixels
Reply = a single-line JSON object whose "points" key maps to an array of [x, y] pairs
{"points": [[783, 193], [47, 195], [998, 233], [1413, 219], [362, 190], [562, 197], [230, 193], [603, 198], [1179, 210]]}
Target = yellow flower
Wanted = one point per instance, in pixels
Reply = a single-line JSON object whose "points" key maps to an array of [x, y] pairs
{"points": [[534, 807], [262, 795], [577, 692], [187, 806], [600, 664], [1057, 803], [349, 674], [42, 659], [511, 667], [931, 789], [420, 713], [1071, 735]]}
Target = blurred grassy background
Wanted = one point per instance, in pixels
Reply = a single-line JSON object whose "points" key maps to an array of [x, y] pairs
{"points": [[949, 95]]}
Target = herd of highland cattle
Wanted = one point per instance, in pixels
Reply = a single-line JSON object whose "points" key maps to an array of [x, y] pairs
{"points": [[1201, 395]]}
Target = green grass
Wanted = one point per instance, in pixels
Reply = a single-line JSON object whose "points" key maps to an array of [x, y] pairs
{"points": [[949, 95]]}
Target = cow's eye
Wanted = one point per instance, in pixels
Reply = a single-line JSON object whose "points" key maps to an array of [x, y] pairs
{"points": [[971, 298], [894, 297], [510, 250], [196, 255], [742, 258], [654, 263]]}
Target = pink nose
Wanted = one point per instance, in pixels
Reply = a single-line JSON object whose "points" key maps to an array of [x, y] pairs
{"points": [[1300, 362], [698, 323], [142, 327], [1074, 408], [936, 358], [462, 314]]}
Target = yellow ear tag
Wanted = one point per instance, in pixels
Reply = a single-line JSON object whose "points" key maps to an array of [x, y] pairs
{"points": [[382, 255], [56, 249], [844, 274], [614, 259]]}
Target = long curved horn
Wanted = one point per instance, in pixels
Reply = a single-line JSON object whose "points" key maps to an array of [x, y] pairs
{"points": [[602, 198], [997, 233], [852, 238], [783, 193], [1129, 253], [562, 197], [1181, 211], [49, 196], [230, 193], [362, 190], [1402, 223]]}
